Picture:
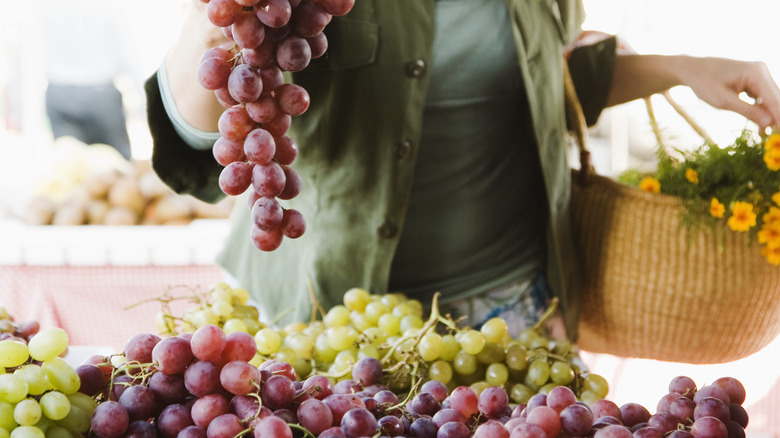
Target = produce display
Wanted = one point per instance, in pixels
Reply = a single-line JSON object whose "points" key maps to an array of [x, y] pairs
{"points": [[390, 328], [131, 194], [266, 39], [208, 376]]}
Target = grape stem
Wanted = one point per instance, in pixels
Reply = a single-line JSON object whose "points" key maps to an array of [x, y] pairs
{"points": [[412, 391], [547, 315], [240, 434], [432, 321], [337, 375], [547, 354], [146, 369], [280, 315], [259, 406], [236, 59], [165, 298], [391, 351], [305, 431], [437, 317], [315, 303]]}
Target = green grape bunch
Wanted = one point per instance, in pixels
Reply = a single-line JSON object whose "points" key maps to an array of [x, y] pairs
{"points": [[39, 391], [391, 328]]}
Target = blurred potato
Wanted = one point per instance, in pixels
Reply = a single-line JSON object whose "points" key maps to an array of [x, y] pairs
{"points": [[174, 207], [132, 195], [118, 215], [125, 193], [98, 184], [73, 212], [96, 211], [40, 210], [151, 186]]}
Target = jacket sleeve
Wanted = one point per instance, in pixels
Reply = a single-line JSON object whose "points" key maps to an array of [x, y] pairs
{"points": [[591, 69], [184, 169]]}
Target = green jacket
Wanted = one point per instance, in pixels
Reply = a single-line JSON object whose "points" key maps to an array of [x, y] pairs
{"points": [[358, 146]]}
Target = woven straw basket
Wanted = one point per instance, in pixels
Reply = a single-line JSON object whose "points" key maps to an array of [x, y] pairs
{"points": [[653, 291]]}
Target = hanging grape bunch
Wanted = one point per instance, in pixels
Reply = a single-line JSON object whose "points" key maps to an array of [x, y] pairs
{"points": [[267, 38]]}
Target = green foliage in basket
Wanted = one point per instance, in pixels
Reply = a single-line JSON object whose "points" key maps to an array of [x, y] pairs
{"points": [[738, 184]]}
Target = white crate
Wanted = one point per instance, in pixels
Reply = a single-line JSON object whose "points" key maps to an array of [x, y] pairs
{"points": [[97, 245]]}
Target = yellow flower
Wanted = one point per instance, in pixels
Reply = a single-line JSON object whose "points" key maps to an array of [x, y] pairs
{"points": [[650, 184], [742, 216], [776, 198], [770, 235], [716, 208], [692, 175], [772, 159], [771, 254], [772, 143], [772, 216]]}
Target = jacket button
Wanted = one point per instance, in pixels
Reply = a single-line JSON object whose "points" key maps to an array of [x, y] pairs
{"points": [[387, 230], [404, 149], [415, 69]]}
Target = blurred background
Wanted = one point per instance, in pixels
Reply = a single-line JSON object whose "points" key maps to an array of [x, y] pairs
{"points": [[141, 31], [144, 29], [131, 48]]}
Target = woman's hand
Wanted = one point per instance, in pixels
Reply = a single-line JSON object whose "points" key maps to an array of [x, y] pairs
{"points": [[720, 83], [197, 105], [717, 81]]}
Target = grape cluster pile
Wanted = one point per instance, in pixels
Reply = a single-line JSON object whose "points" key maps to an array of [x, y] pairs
{"points": [[39, 391], [713, 411], [267, 38], [390, 328], [372, 366], [204, 385]]}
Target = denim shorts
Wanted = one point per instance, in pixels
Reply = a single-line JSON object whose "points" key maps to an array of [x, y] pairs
{"points": [[520, 304]]}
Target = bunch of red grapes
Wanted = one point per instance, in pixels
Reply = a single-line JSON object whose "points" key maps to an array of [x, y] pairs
{"points": [[266, 38]]}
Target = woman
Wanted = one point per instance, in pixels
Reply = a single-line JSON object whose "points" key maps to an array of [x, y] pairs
{"points": [[433, 153]]}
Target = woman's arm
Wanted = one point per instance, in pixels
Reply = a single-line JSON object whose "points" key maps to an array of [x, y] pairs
{"points": [[197, 105], [717, 81]]}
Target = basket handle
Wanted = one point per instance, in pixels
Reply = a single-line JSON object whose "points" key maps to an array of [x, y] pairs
{"points": [[692, 123], [575, 118]]}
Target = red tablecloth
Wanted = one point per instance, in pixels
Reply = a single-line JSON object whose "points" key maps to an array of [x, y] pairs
{"points": [[90, 302]]}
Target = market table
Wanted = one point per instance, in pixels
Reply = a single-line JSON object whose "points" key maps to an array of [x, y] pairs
{"points": [[83, 278]]}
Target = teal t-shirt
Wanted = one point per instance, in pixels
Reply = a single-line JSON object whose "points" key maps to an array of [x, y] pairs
{"points": [[474, 219]]}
